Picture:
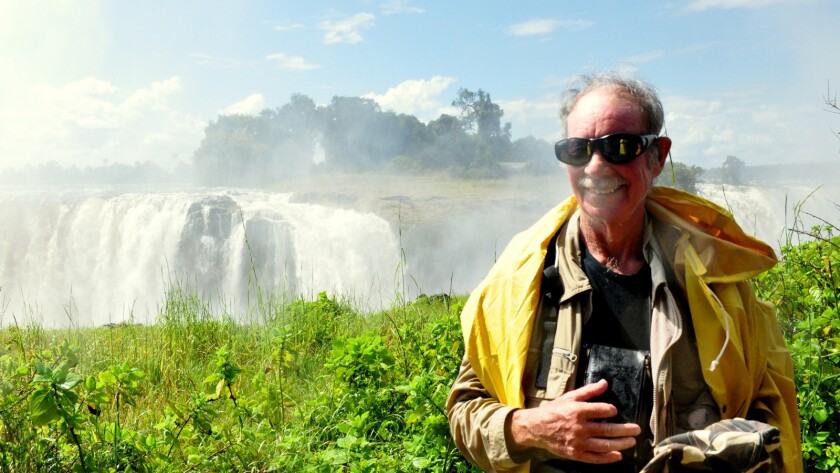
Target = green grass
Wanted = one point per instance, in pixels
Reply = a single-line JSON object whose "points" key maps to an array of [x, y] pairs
{"points": [[297, 386]]}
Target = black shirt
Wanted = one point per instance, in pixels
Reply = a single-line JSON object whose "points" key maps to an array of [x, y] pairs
{"points": [[620, 306], [621, 314]]}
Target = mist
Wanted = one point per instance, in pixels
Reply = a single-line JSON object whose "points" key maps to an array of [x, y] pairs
{"points": [[93, 255]]}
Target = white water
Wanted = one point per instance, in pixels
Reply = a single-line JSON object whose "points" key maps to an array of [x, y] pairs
{"points": [[105, 256], [108, 256], [768, 212]]}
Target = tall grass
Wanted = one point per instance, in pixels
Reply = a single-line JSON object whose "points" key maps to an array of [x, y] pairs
{"points": [[295, 385]]}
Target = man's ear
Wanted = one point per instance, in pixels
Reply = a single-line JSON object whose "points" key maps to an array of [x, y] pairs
{"points": [[664, 145]]}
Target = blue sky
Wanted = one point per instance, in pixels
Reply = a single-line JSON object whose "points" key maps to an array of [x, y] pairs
{"points": [[91, 83]]}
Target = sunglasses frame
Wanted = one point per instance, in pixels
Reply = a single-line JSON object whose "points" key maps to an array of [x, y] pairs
{"points": [[561, 148]]}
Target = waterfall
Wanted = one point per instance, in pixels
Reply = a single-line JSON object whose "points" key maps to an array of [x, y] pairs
{"points": [[105, 256], [767, 212]]}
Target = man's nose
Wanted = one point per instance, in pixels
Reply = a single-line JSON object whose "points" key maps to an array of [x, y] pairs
{"points": [[596, 163]]}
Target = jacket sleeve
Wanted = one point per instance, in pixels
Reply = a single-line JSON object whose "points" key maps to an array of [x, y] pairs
{"points": [[478, 423], [774, 400]]}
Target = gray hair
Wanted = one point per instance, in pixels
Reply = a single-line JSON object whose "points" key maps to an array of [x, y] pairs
{"points": [[643, 92]]}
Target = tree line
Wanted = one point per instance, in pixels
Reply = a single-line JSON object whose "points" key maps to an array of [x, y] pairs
{"points": [[353, 134], [350, 135]]}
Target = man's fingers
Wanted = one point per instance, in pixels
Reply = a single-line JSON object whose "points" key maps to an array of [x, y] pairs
{"points": [[608, 430], [615, 444], [589, 410], [587, 392], [599, 458]]}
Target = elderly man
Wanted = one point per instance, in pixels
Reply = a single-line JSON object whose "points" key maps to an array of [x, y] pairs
{"points": [[658, 277]]}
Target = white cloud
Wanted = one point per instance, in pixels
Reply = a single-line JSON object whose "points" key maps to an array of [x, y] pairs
{"points": [[348, 29], [289, 27], [420, 98], [392, 7], [645, 57], [154, 97], [743, 124], [54, 109], [91, 122], [546, 26], [538, 118], [292, 63], [250, 105]]}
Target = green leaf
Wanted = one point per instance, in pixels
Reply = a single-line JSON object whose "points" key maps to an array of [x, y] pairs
{"points": [[90, 383], [70, 381], [42, 407], [107, 378], [820, 415]]}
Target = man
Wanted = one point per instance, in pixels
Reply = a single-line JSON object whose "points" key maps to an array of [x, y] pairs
{"points": [[649, 270]]}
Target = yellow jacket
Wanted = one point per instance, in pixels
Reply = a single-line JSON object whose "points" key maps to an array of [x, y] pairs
{"points": [[746, 364]]}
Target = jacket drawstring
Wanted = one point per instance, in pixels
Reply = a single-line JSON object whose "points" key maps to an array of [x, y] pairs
{"points": [[714, 364]]}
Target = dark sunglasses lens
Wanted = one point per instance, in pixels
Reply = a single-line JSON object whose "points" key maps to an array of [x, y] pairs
{"points": [[623, 148], [574, 151]]}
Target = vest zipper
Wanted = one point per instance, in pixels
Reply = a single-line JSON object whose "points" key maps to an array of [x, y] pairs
{"points": [[662, 370], [567, 354]]}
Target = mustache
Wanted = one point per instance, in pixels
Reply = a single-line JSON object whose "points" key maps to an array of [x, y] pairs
{"points": [[594, 183]]}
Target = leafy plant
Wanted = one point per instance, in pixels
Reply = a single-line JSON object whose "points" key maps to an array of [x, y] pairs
{"points": [[805, 287]]}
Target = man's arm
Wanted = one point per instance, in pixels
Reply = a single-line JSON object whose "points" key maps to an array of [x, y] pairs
{"points": [[495, 436], [477, 422]]}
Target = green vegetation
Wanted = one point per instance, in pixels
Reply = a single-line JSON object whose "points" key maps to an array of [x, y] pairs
{"points": [[680, 176], [317, 386], [805, 288], [354, 135], [306, 386], [733, 171]]}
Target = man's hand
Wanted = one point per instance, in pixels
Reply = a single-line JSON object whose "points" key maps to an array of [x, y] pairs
{"points": [[568, 427]]}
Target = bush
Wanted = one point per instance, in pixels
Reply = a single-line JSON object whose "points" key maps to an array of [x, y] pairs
{"points": [[805, 287], [315, 387]]}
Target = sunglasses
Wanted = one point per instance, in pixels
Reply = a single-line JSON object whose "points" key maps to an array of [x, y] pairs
{"points": [[618, 148]]}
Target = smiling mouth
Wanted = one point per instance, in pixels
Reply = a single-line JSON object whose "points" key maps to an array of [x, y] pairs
{"points": [[601, 186]]}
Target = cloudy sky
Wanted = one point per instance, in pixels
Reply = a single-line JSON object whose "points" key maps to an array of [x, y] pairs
{"points": [[90, 82]]}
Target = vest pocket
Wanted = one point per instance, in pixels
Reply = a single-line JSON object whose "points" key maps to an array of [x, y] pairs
{"points": [[560, 376]]}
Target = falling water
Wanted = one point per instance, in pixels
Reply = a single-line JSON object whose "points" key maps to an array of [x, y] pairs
{"points": [[770, 212], [100, 257], [97, 257]]}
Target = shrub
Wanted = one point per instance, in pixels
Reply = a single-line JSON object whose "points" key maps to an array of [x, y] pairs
{"points": [[805, 287]]}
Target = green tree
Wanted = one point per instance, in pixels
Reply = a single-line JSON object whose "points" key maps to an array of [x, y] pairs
{"points": [[480, 115], [537, 154], [232, 151], [349, 141], [733, 169], [680, 175], [248, 149], [482, 119], [300, 121], [449, 145]]}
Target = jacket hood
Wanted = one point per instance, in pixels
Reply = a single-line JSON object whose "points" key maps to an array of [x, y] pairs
{"points": [[725, 252]]}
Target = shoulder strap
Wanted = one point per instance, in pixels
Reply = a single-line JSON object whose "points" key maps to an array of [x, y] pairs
{"points": [[551, 289]]}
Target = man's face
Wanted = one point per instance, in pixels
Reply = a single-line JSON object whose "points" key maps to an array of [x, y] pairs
{"points": [[610, 195]]}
